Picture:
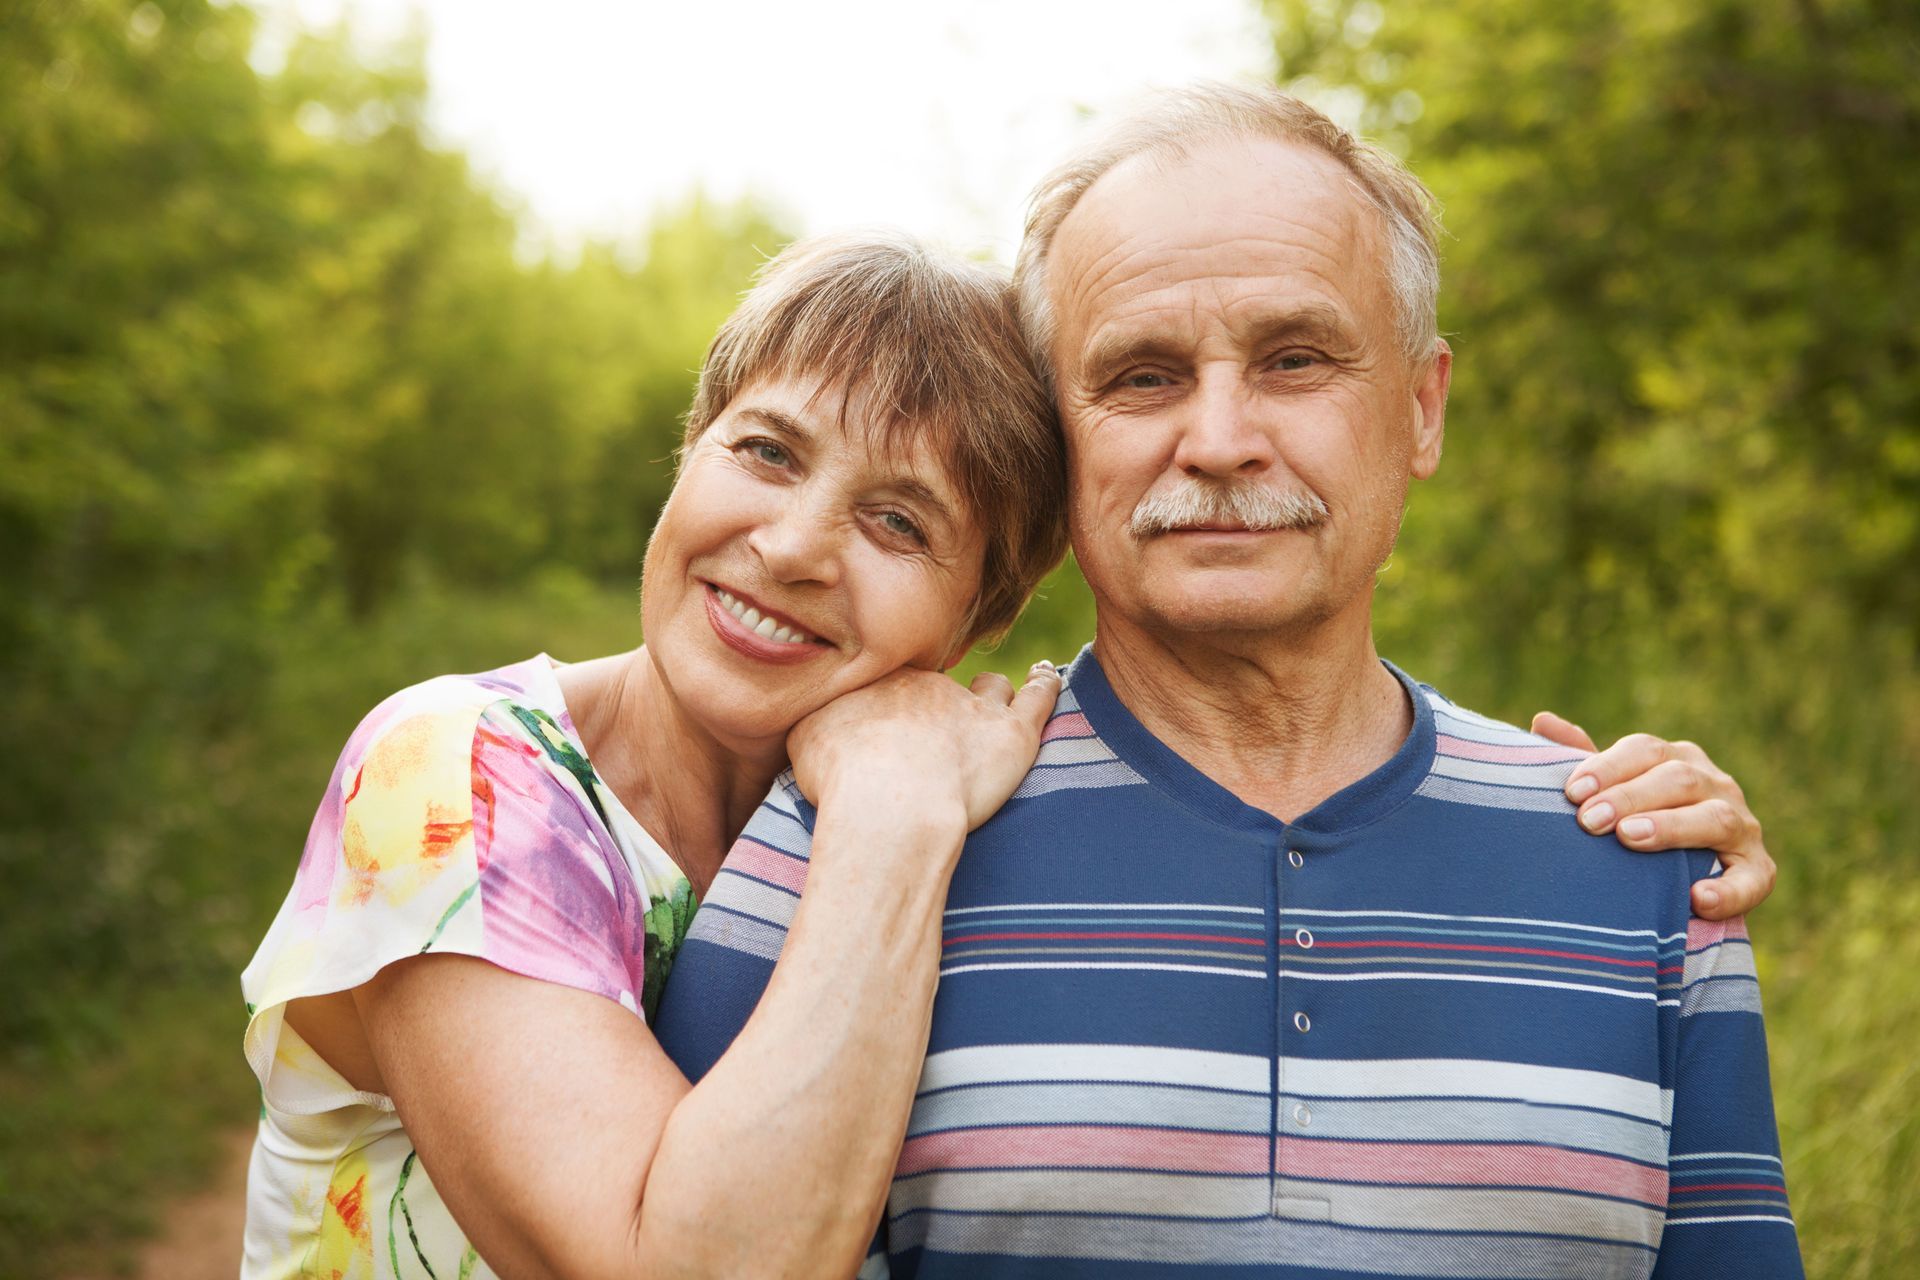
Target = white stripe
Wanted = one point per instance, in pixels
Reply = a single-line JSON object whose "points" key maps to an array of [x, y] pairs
{"points": [[1504, 773], [1738, 1217], [1429, 915], [1462, 977], [1115, 1063], [1165, 968], [1730, 1155], [1366, 1079], [1107, 906]]}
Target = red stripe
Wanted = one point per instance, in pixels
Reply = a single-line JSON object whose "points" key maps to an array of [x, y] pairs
{"points": [[1467, 946], [1088, 937]]}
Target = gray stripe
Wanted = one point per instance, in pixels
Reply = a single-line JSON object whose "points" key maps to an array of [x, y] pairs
{"points": [[1261, 1240], [1490, 797], [1484, 1209], [1062, 751], [1390, 1120], [741, 892], [1721, 995], [1247, 956], [1552, 776], [1308, 959], [1113, 773], [736, 933], [1082, 1191], [1730, 959], [1124, 1105]]}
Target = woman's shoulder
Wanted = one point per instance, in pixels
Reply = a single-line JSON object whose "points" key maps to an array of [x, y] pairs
{"points": [[405, 726]]}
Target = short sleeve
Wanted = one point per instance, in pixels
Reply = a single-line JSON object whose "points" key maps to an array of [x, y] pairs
{"points": [[450, 828]]}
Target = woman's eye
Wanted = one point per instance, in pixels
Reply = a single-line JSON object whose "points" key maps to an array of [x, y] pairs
{"points": [[768, 452], [894, 522]]}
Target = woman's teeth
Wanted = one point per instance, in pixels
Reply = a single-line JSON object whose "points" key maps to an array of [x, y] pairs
{"points": [[764, 627]]}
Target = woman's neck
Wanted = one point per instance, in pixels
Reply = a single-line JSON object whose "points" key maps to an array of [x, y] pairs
{"points": [[691, 793]]}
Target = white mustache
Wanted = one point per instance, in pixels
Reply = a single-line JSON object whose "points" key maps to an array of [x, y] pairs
{"points": [[1251, 506]]}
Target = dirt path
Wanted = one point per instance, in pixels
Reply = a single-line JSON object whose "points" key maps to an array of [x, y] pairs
{"points": [[202, 1239]]}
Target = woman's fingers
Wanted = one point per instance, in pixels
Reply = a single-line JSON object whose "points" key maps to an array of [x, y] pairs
{"points": [[1666, 784], [1654, 794], [1035, 701], [992, 686], [1556, 728], [1744, 885]]}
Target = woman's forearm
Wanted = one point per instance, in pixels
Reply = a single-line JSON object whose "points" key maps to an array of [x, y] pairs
{"points": [[777, 1163]]}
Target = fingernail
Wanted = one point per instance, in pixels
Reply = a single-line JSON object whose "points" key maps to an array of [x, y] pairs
{"points": [[1709, 896], [1042, 665], [1582, 787], [1636, 828], [1597, 818]]}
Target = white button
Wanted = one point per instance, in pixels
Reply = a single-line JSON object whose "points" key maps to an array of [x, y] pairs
{"points": [[1302, 1022], [1294, 859], [1302, 1116], [1304, 937]]}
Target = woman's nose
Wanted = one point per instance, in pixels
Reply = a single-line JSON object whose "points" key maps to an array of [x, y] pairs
{"points": [[800, 543]]}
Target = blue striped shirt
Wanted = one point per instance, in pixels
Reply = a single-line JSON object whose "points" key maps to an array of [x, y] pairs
{"points": [[1429, 1029]]}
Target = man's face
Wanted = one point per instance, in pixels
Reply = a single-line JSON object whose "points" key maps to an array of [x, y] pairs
{"points": [[1224, 324]]}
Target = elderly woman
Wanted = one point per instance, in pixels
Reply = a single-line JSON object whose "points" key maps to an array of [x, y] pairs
{"points": [[449, 1017]]}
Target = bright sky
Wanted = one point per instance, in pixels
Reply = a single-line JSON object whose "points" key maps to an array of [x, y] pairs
{"points": [[933, 116]]}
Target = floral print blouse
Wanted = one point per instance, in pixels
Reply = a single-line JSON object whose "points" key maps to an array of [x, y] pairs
{"points": [[463, 817]]}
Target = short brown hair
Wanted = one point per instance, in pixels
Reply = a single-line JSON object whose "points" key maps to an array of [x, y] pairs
{"points": [[935, 341], [1170, 123]]}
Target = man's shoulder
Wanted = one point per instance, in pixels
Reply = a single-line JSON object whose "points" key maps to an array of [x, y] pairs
{"points": [[1488, 763]]}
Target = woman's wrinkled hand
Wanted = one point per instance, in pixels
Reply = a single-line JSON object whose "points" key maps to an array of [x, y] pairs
{"points": [[1654, 794], [919, 739]]}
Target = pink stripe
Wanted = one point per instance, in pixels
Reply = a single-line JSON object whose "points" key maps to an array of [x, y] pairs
{"points": [[1704, 933], [1470, 1164], [1071, 725], [750, 857], [1494, 753], [1086, 1147]]}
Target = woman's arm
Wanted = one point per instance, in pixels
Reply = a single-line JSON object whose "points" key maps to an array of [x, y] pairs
{"points": [[567, 1145]]}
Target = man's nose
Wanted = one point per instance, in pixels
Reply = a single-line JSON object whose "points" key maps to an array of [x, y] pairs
{"points": [[800, 542], [1219, 433]]}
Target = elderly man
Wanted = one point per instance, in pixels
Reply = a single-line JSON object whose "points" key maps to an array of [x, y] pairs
{"points": [[1279, 963]]}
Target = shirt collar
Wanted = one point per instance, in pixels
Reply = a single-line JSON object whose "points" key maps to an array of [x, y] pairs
{"points": [[1355, 805]]}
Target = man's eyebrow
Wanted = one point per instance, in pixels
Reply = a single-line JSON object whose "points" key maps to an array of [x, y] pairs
{"points": [[1112, 352], [1312, 323]]}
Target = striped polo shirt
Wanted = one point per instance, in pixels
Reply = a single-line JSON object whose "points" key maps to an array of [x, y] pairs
{"points": [[1431, 1028]]}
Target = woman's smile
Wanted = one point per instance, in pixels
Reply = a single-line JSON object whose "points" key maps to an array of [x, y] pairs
{"points": [[758, 632]]}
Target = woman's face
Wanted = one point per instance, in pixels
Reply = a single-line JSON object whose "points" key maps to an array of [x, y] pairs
{"points": [[793, 562]]}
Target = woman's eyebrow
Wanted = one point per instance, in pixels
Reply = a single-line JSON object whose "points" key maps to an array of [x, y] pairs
{"points": [[919, 493], [777, 421]]}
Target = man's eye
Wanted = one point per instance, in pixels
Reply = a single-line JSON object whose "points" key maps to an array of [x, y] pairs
{"points": [[1143, 381], [1294, 360]]}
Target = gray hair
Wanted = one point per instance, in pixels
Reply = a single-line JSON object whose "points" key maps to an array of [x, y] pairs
{"points": [[1169, 124]]}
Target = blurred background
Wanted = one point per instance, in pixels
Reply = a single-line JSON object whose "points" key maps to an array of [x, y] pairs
{"points": [[338, 349]]}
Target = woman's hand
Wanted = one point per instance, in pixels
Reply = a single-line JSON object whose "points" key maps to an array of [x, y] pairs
{"points": [[917, 739], [1654, 794]]}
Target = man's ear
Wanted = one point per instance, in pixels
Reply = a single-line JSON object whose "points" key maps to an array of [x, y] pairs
{"points": [[1430, 403]]}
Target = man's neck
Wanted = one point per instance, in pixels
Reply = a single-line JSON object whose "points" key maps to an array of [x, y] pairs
{"points": [[1281, 721]]}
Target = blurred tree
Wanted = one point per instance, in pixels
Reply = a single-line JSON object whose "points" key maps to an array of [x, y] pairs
{"points": [[269, 355]]}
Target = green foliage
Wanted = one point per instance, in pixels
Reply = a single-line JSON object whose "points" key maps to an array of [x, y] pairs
{"points": [[277, 372], [1682, 483]]}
